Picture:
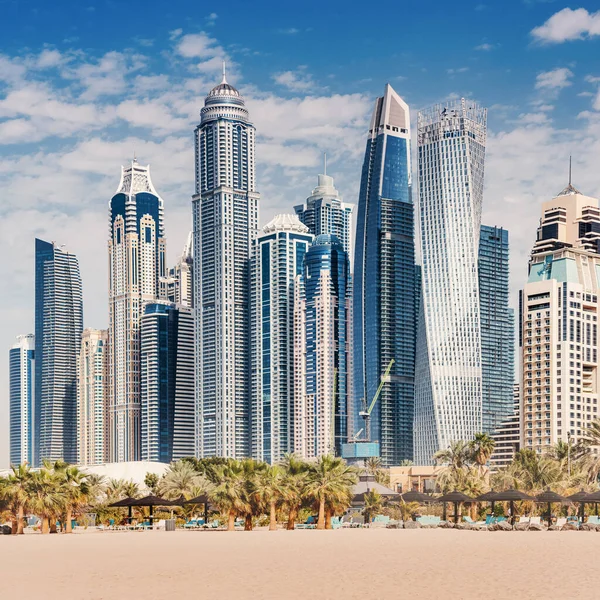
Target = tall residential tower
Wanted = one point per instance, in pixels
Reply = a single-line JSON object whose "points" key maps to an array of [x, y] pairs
{"points": [[225, 222]]}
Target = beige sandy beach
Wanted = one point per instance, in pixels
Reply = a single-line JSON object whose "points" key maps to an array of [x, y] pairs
{"points": [[301, 564]]}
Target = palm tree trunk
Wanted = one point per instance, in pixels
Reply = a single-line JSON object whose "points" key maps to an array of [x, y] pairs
{"points": [[14, 525], [20, 517], [328, 519], [273, 521], [231, 521], [45, 525], [68, 526], [292, 518], [321, 520], [248, 523]]}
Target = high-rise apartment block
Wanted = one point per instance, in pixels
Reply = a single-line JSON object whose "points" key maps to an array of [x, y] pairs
{"points": [[277, 259], [21, 365], [321, 349], [167, 382], [177, 285], [558, 323], [385, 296], [324, 212], [58, 327], [507, 437], [92, 398], [448, 392], [225, 223], [497, 329], [137, 249]]}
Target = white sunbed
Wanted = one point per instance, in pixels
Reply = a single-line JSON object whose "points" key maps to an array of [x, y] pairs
{"points": [[524, 520], [562, 521], [535, 520]]}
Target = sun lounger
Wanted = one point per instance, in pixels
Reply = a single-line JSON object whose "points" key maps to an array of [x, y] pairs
{"points": [[535, 521], [594, 520], [560, 522], [524, 520]]}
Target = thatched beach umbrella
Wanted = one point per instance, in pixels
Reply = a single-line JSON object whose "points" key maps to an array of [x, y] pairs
{"points": [[152, 501], [456, 498], [548, 497], [487, 497], [512, 496], [202, 499], [415, 496], [122, 503], [584, 498]]}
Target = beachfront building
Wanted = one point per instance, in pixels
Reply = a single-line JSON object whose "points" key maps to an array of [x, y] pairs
{"points": [[136, 249], [92, 398], [385, 295], [21, 364], [558, 323], [225, 223], [277, 259], [507, 437], [58, 327], [448, 386], [321, 349], [167, 382], [176, 286], [414, 478], [324, 212], [497, 329]]}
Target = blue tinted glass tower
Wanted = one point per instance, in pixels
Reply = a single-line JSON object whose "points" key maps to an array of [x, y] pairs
{"points": [[58, 328], [384, 295], [321, 350], [497, 329]]}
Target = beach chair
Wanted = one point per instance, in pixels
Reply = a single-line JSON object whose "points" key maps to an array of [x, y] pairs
{"points": [[594, 520], [561, 521], [468, 520], [336, 523], [191, 524], [524, 520], [535, 521], [160, 525]]}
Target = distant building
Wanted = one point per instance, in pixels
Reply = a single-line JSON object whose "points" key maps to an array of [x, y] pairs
{"points": [[137, 248], [92, 398], [414, 478], [508, 436], [277, 260], [321, 350], [325, 213], [167, 383], [176, 286], [21, 365], [58, 327], [448, 385], [497, 328]]}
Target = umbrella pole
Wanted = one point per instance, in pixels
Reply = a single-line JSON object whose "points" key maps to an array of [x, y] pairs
{"points": [[151, 514], [512, 513], [205, 514], [130, 514], [455, 513], [549, 514]]}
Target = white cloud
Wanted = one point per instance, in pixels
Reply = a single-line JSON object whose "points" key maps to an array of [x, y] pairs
{"points": [[49, 58], [554, 80], [198, 45], [485, 47], [296, 81], [289, 31], [568, 24], [459, 70]]}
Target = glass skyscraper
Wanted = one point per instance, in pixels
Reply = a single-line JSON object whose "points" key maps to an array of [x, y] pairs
{"points": [[384, 292], [321, 349], [225, 223], [325, 213], [137, 249], [448, 388], [58, 327], [167, 382], [277, 260], [497, 329], [21, 361]]}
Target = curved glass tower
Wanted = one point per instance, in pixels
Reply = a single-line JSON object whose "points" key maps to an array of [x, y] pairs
{"points": [[385, 291], [448, 392], [225, 221], [136, 249]]}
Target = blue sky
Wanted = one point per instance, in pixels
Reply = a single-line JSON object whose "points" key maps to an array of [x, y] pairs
{"points": [[84, 85]]}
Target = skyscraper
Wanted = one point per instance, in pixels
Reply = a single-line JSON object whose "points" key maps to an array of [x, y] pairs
{"points": [[277, 260], [225, 221], [325, 213], [21, 361], [92, 398], [321, 349], [448, 396], [558, 324], [167, 382], [58, 327], [384, 287], [497, 329], [136, 249], [177, 286]]}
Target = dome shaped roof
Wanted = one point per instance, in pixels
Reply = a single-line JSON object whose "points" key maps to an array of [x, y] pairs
{"points": [[327, 239], [223, 89], [285, 223]]}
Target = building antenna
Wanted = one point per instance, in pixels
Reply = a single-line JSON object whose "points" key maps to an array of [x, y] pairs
{"points": [[134, 156], [224, 80], [570, 168]]}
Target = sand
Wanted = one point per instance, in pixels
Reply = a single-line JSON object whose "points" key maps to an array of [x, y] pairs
{"points": [[346, 564]]}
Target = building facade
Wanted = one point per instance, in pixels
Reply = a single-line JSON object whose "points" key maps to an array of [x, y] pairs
{"points": [[176, 286], [58, 327], [21, 368], [136, 249], [558, 324], [507, 438], [225, 223], [324, 212], [277, 259], [167, 382], [92, 398], [497, 329], [448, 391], [321, 350], [385, 295]]}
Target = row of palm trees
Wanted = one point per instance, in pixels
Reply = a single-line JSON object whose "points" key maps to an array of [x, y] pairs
{"points": [[246, 489]]}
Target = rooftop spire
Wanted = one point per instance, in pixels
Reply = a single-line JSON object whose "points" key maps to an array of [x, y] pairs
{"points": [[224, 78], [570, 167]]}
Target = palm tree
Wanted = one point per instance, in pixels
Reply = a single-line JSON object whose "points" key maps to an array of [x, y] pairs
{"points": [[456, 456], [229, 495], [294, 481], [75, 490], [373, 504], [373, 464], [329, 479], [151, 481], [181, 479], [42, 497], [482, 447], [15, 493], [268, 489]]}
